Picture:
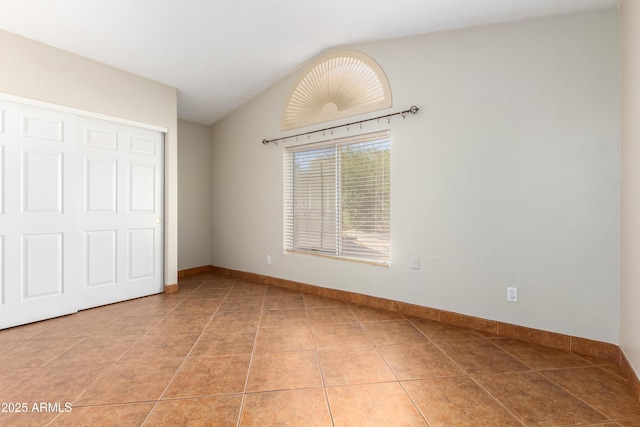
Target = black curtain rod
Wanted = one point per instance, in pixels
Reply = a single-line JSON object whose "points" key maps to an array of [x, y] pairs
{"points": [[411, 110]]}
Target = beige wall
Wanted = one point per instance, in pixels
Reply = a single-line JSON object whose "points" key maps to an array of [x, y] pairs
{"points": [[194, 195], [630, 188], [36, 71], [508, 176]]}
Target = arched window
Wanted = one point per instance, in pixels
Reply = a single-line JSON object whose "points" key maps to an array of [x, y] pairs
{"points": [[336, 85]]}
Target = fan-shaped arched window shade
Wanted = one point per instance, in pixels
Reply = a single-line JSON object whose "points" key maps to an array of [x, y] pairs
{"points": [[336, 85]]}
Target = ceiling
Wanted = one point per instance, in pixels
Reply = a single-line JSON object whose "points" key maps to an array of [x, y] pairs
{"points": [[221, 53]]}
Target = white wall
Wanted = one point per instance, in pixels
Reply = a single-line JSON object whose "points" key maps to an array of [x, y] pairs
{"points": [[508, 176], [630, 191], [194, 195], [33, 70]]}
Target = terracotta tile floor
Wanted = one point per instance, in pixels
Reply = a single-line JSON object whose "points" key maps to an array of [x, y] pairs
{"points": [[230, 352]]}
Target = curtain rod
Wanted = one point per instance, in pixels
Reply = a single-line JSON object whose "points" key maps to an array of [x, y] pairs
{"points": [[411, 110]]}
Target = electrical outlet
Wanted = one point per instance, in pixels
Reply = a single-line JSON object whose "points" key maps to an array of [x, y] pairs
{"points": [[268, 259], [512, 294], [415, 263]]}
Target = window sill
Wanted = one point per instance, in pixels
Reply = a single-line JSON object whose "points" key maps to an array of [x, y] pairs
{"points": [[339, 258]]}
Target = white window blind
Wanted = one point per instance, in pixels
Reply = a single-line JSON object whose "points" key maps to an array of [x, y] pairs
{"points": [[337, 196]]}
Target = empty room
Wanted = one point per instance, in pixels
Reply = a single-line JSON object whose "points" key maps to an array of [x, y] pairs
{"points": [[357, 213]]}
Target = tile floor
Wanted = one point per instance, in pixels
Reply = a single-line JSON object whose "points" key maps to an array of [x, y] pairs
{"points": [[230, 352]]}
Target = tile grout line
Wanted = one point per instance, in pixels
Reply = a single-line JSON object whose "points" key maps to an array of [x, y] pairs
{"points": [[112, 364], [253, 349], [509, 411], [539, 372], [440, 350], [100, 376], [467, 374], [398, 381], [315, 351], [607, 418], [157, 401], [423, 415]]}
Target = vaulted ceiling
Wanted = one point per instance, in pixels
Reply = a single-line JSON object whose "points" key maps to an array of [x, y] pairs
{"points": [[221, 53]]}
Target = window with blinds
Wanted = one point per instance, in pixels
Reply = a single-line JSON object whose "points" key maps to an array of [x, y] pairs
{"points": [[337, 198]]}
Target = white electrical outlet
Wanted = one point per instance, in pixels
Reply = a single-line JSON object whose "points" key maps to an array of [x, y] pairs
{"points": [[269, 259], [415, 263], [512, 294]]}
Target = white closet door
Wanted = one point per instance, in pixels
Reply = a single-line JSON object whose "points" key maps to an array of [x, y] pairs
{"points": [[122, 212], [80, 213], [37, 229]]}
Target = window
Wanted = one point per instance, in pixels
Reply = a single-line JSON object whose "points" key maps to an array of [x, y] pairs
{"points": [[337, 196], [336, 85]]}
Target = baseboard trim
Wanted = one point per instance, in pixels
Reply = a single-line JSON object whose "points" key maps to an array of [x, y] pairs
{"points": [[602, 350], [171, 289], [193, 271], [631, 375]]}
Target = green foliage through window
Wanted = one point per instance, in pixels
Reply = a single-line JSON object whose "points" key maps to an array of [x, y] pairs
{"points": [[337, 198]]}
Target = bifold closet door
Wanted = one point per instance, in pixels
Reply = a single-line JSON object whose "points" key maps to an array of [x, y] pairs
{"points": [[80, 204]]}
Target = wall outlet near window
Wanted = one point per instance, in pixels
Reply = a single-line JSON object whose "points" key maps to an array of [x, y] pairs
{"points": [[512, 294]]}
